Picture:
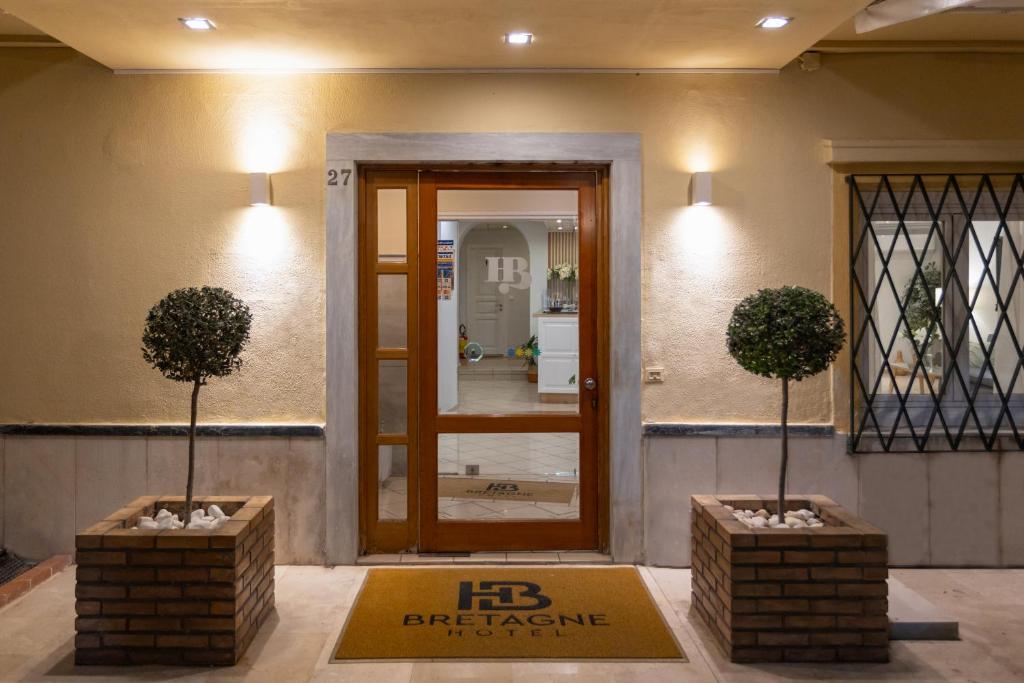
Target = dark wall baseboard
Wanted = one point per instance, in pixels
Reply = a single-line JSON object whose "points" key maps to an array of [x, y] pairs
{"points": [[315, 431], [735, 430]]}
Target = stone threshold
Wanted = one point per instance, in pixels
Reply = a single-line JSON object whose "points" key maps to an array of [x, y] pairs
{"points": [[524, 557]]}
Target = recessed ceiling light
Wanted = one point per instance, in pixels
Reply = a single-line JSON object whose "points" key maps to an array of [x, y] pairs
{"points": [[519, 38], [197, 23], [774, 22]]}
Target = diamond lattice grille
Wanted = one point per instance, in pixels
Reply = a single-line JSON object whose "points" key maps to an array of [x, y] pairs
{"points": [[937, 319]]}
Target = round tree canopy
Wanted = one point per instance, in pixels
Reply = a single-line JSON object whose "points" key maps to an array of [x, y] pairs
{"points": [[196, 333], [786, 333]]}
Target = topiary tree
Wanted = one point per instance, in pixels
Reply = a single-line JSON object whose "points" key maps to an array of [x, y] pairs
{"points": [[192, 335], [787, 334]]}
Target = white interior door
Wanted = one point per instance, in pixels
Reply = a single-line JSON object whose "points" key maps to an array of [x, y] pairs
{"points": [[486, 305]]}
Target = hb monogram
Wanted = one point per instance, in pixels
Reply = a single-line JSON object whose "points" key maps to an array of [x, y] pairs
{"points": [[503, 591]]}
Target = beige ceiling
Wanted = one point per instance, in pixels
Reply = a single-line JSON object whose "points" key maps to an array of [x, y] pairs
{"points": [[432, 34], [949, 27], [10, 25]]}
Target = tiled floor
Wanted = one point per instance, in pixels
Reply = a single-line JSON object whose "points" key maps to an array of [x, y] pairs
{"points": [[295, 645], [497, 385]]}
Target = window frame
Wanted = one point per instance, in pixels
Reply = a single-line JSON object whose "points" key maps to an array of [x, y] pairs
{"points": [[902, 420]]}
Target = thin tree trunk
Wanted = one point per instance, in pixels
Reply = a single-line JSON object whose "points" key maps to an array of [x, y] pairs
{"points": [[191, 452], [785, 451]]}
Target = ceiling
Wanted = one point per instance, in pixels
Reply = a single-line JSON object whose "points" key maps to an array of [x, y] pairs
{"points": [[962, 26], [10, 25], [436, 34]]}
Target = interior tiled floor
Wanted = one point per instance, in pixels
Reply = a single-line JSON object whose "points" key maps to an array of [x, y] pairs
{"points": [[497, 385], [295, 645]]}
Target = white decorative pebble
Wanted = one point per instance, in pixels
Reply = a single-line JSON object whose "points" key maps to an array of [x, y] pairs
{"points": [[215, 511], [163, 514], [762, 513], [758, 522]]}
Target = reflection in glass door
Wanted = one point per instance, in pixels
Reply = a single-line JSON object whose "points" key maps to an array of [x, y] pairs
{"points": [[509, 393]]}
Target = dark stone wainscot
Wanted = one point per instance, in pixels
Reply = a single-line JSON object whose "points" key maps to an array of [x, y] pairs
{"points": [[791, 595], [182, 596]]}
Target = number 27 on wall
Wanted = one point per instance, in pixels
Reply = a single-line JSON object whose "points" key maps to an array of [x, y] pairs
{"points": [[332, 176]]}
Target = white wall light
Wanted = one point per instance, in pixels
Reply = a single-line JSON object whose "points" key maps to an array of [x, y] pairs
{"points": [[700, 189], [259, 189]]}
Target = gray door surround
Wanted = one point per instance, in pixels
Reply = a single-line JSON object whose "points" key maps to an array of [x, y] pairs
{"points": [[344, 152]]}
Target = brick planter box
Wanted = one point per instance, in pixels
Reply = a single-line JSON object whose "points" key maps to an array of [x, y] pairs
{"points": [[174, 596], [791, 595]]}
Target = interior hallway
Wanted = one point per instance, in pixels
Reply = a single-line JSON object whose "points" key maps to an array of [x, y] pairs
{"points": [[37, 638]]}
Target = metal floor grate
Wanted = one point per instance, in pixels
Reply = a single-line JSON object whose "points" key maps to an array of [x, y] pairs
{"points": [[12, 566]]}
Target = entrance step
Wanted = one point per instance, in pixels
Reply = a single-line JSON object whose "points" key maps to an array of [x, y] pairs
{"points": [[539, 557], [914, 617]]}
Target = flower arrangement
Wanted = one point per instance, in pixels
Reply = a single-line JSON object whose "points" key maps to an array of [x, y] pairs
{"points": [[563, 271], [528, 352]]}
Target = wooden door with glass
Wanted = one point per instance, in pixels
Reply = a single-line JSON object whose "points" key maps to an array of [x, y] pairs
{"points": [[480, 436]]}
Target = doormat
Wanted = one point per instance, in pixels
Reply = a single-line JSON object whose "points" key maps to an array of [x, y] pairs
{"points": [[506, 613], [506, 489]]}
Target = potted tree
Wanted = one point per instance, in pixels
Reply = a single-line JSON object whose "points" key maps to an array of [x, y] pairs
{"points": [[795, 578], [159, 581]]}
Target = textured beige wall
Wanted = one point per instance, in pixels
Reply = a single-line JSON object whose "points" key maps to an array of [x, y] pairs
{"points": [[116, 189]]}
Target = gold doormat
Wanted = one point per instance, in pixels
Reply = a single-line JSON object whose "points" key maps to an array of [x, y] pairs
{"points": [[506, 613], [506, 489]]}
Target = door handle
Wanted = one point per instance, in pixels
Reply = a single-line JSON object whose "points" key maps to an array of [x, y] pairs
{"points": [[590, 384]]}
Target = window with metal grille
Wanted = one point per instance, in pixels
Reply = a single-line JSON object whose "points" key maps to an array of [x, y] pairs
{"points": [[937, 312]]}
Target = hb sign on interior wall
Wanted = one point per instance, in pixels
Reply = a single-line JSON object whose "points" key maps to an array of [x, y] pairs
{"points": [[508, 271]]}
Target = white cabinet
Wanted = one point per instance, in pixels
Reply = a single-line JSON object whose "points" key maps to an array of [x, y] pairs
{"points": [[558, 336]]}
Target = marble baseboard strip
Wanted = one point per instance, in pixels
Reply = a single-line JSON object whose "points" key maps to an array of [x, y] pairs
{"points": [[245, 430], [735, 430]]}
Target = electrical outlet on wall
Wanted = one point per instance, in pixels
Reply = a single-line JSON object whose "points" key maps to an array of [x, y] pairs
{"points": [[654, 375]]}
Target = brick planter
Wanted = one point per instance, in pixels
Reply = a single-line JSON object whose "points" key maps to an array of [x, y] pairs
{"points": [[174, 596], [791, 595]]}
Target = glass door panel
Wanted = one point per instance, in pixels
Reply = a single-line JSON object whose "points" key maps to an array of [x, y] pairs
{"points": [[388, 339], [508, 476], [508, 335], [508, 449]]}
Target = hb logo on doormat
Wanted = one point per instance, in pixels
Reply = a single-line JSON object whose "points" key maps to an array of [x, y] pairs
{"points": [[497, 487], [501, 595]]}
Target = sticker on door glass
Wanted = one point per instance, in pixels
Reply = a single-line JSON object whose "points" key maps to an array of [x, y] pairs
{"points": [[445, 269]]}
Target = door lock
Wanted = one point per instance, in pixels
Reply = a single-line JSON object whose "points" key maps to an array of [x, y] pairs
{"points": [[590, 384]]}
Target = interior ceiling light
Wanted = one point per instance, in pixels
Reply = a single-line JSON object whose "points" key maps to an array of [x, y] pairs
{"points": [[774, 22], [197, 23], [519, 38]]}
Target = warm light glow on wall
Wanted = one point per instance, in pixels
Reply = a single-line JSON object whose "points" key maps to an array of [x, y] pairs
{"points": [[699, 158], [700, 240], [266, 143], [264, 237]]}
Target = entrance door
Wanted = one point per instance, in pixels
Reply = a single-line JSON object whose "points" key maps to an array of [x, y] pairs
{"points": [[485, 305], [463, 451]]}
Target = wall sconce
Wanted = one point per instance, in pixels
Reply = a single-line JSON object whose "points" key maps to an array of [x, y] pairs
{"points": [[700, 189], [259, 189]]}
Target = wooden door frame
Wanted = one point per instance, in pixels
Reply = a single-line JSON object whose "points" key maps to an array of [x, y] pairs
{"points": [[379, 536], [344, 152], [590, 530]]}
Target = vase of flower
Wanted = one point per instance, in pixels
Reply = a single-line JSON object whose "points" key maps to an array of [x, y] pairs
{"points": [[528, 352]]}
